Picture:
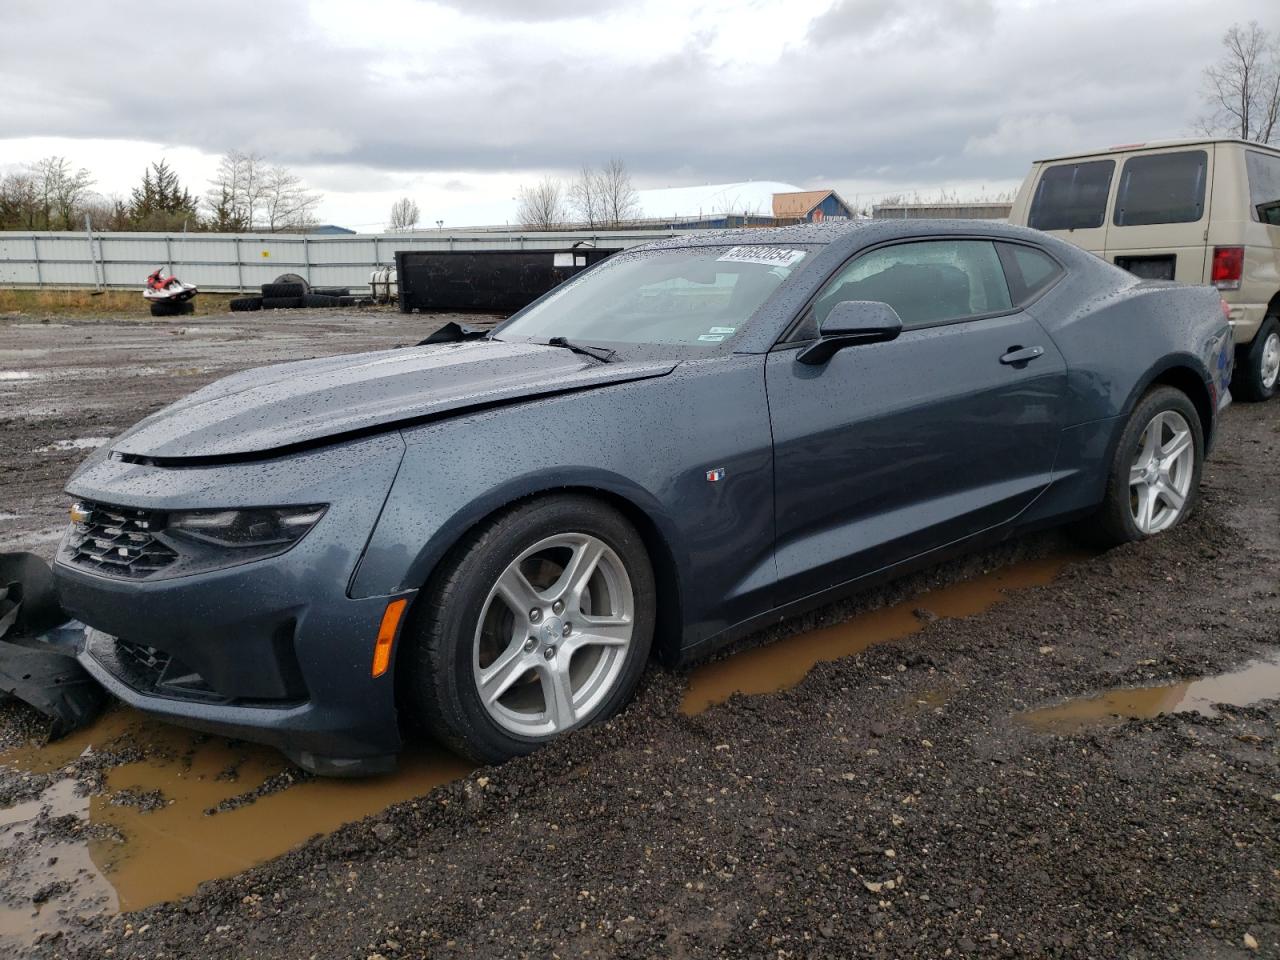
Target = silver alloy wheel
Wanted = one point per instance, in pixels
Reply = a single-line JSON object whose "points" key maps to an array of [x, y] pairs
{"points": [[553, 635], [1270, 368], [1160, 477]]}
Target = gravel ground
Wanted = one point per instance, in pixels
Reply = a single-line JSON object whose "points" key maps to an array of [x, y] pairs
{"points": [[893, 804]]}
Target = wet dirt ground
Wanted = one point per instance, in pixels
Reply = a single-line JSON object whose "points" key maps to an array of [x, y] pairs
{"points": [[936, 774]]}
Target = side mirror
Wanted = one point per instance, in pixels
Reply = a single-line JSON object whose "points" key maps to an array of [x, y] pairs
{"points": [[850, 323]]}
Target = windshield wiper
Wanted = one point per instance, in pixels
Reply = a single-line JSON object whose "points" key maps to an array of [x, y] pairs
{"points": [[603, 354]]}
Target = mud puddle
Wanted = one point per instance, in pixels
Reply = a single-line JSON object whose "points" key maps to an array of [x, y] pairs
{"points": [[189, 808], [1254, 682], [783, 664]]}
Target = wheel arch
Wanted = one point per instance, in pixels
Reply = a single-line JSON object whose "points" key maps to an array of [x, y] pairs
{"points": [[1183, 374], [669, 624], [1186, 379]]}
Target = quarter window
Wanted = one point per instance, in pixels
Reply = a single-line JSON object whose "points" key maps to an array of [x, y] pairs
{"points": [[1264, 186], [1030, 271], [1162, 188], [1072, 196], [925, 282]]}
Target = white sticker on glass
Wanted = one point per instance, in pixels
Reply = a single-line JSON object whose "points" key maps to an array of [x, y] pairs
{"points": [[711, 337], [769, 256]]}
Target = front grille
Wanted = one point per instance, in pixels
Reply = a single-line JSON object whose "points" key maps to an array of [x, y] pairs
{"points": [[118, 541]]}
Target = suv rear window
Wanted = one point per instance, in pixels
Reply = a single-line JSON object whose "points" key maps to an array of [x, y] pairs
{"points": [[1072, 196], [1162, 188], [1264, 186]]}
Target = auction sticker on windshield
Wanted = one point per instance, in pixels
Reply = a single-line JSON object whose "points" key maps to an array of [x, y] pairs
{"points": [[769, 256]]}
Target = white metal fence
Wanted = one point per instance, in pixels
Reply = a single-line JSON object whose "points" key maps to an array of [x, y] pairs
{"points": [[234, 262]]}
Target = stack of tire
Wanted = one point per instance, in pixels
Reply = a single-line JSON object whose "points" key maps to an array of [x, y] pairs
{"points": [[290, 291], [172, 308]]}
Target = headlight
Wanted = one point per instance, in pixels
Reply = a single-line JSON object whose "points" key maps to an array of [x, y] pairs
{"points": [[258, 527]]}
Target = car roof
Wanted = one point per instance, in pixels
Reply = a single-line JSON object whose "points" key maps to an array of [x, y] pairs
{"points": [[1157, 145], [846, 234]]}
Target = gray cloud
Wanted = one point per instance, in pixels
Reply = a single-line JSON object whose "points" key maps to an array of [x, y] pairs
{"points": [[925, 91]]}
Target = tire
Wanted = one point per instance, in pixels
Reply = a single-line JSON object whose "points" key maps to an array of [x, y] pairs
{"points": [[332, 291], [294, 278], [164, 308], [348, 301], [186, 306], [460, 626], [243, 304], [1118, 519], [277, 290], [1257, 373], [281, 303], [319, 300]]}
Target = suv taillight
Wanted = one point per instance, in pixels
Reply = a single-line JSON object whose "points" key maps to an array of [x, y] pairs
{"points": [[1228, 267]]}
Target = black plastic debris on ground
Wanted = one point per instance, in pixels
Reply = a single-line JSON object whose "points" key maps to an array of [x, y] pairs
{"points": [[38, 647]]}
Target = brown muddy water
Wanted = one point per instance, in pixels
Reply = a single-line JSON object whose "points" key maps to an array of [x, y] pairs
{"points": [[781, 665], [1254, 682], [189, 810], [150, 836]]}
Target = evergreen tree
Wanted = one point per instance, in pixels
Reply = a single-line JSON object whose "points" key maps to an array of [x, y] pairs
{"points": [[160, 202]]}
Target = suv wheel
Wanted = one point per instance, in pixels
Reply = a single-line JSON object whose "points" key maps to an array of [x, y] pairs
{"points": [[540, 623], [1258, 364], [1154, 479]]}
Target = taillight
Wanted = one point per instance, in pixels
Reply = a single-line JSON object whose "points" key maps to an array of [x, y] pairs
{"points": [[1228, 267]]}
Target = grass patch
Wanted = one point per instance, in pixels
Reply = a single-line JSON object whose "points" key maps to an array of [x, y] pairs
{"points": [[126, 303]]}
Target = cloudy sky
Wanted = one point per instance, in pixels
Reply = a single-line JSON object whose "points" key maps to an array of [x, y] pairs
{"points": [[457, 102]]}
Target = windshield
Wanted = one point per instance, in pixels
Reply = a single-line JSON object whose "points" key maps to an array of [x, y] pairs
{"points": [[700, 297]]}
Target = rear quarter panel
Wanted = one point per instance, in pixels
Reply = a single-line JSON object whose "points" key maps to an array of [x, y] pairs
{"points": [[1118, 334]]}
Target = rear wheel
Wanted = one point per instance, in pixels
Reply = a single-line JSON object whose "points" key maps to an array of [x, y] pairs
{"points": [[1258, 364], [540, 623], [1154, 479]]}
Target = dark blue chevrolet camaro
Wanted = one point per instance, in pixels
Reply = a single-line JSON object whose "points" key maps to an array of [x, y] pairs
{"points": [[488, 539]]}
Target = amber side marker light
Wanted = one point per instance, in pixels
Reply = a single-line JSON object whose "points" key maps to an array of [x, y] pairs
{"points": [[387, 635]]}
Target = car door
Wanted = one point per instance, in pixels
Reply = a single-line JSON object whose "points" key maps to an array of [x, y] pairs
{"points": [[890, 450]]}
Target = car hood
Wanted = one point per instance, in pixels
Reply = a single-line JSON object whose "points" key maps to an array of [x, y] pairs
{"points": [[301, 403]]}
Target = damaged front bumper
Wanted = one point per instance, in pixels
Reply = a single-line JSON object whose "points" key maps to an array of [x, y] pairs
{"points": [[38, 650]]}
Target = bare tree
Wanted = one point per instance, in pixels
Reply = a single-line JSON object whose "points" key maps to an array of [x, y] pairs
{"points": [[18, 207], [404, 214], [584, 198], [619, 201], [246, 193], [1242, 90], [286, 202], [57, 193], [235, 192], [542, 207]]}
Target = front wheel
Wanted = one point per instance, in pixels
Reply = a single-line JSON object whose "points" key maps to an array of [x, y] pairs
{"points": [[1154, 479], [539, 623], [1258, 364]]}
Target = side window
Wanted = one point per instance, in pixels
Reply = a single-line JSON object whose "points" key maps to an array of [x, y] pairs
{"points": [[1162, 188], [1264, 186], [1029, 271], [1072, 196], [926, 282]]}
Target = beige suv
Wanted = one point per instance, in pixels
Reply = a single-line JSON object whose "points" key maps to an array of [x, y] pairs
{"points": [[1196, 211]]}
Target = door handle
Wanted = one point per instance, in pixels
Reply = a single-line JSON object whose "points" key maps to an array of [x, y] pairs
{"points": [[1021, 355]]}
